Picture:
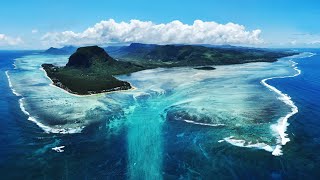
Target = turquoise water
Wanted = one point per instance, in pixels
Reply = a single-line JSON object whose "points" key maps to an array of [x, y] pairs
{"points": [[176, 123]]}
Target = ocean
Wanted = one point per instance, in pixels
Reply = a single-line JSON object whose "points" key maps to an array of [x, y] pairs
{"points": [[246, 121]]}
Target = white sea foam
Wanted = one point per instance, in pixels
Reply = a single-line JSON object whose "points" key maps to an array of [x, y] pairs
{"points": [[10, 85], [242, 143], [46, 128], [203, 124], [281, 127], [23, 82], [277, 151]]}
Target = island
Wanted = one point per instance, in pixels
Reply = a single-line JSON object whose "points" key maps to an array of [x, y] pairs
{"points": [[91, 70], [207, 68]]}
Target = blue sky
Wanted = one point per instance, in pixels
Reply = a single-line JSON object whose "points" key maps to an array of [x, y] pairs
{"points": [[282, 22]]}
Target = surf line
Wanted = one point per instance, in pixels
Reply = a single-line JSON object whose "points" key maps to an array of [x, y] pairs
{"points": [[281, 127], [45, 128], [10, 85]]}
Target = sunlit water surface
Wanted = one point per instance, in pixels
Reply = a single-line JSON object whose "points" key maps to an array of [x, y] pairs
{"points": [[177, 123]]}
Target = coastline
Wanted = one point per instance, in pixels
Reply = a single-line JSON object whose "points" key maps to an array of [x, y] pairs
{"points": [[84, 95]]}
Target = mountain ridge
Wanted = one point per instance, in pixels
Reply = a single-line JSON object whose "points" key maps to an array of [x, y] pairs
{"points": [[91, 69]]}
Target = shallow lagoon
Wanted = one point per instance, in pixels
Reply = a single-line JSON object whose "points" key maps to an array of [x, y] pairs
{"points": [[173, 113]]}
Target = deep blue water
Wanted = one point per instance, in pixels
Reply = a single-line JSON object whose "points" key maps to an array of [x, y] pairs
{"points": [[97, 153]]}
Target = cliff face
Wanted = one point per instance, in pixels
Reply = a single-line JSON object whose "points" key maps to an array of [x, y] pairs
{"points": [[85, 57]]}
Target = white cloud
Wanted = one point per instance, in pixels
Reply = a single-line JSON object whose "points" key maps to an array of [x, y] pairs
{"points": [[9, 41], [34, 31], [175, 32], [299, 39], [316, 42], [293, 42]]}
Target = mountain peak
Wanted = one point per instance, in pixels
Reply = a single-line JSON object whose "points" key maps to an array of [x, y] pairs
{"points": [[87, 56]]}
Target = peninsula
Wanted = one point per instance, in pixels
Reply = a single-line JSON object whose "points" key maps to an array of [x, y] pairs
{"points": [[90, 70]]}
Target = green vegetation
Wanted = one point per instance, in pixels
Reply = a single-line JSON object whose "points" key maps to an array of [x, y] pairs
{"points": [[191, 55], [91, 70], [208, 68]]}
